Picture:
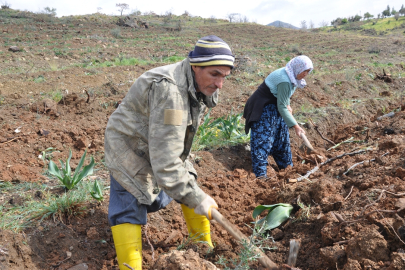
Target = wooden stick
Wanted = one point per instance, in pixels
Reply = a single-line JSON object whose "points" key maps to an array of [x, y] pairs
{"points": [[355, 165], [349, 193], [317, 130], [327, 161], [238, 235]]}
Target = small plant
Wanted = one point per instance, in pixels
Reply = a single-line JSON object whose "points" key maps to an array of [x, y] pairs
{"points": [[64, 174], [39, 79], [277, 214], [219, 132], [97, 191], [116, 32], [247, 254], [60, 207], [46, 155], [305, 211]]}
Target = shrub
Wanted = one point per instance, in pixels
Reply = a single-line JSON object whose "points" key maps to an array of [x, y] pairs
{"points": [[116, 32]]}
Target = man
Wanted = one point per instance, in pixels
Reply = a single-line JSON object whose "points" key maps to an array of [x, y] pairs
{"points": [[147, 142]]}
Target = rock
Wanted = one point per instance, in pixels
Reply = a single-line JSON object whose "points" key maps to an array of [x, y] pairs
{"points": [[352, 265], [400, 203], [82, 143], [389, 144], [398, 261], [368, 244], [400, 172], [92, 233], [333, 256], [81, 266], [176, 260], [14, 49], [277, 234]]}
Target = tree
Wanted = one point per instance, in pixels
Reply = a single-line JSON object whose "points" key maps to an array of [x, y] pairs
{"points": [[393, 11], [50, 11], [311, 24], [367, 16], [402, 10], [323, 23], [387, 12], [232, 16], [5, 5], [122, 7], [304, 25]]}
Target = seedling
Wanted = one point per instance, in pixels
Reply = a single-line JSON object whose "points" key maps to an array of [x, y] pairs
{"points": [[46, 155], [277, 214], [64, 174], [97, 191]]}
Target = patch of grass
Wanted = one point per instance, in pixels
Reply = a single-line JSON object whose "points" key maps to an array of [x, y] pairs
{"points": [[39, 79], [63, 207], [116, 32], [55, 206]]}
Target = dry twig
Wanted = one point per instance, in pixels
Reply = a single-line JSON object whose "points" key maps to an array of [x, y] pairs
{"points": [[125, 264], [349, 193], [317, 130], [147, 238], [327, 161], [359, 163]]}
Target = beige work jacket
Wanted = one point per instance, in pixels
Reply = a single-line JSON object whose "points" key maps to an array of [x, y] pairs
{"points": [[149, 137]]}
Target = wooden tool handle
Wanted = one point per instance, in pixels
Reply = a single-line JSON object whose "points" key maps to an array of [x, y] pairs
{"points": [[238, 235], [306, 142]]}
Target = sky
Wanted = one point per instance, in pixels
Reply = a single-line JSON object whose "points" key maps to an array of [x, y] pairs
{"points": [[259, 11]]}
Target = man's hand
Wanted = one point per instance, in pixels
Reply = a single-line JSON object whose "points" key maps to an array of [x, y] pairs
{"points": [[204, 208], [289, 108], [298, 130]]}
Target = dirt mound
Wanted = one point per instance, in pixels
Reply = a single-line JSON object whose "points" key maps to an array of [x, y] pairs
{"points": [[369, 244], [183, 260]]}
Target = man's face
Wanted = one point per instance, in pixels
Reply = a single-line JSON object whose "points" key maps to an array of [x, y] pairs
{"points": [[210, 78]]}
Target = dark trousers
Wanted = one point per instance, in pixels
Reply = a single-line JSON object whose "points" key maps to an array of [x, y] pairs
{"points": [[124, 207], [270, 136]]}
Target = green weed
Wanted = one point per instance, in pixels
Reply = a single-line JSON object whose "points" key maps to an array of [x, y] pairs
{"points": [[116, 32], [97, 191], [64, 174], [223, 131], [247, 253], [39, 79]]}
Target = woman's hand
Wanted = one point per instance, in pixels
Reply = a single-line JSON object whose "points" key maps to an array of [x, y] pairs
{"points": [[289, 108], [298, 130]]}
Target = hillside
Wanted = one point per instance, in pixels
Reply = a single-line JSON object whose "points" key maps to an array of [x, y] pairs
{"points": [[373, 27], [282, 25], [67, 75]]}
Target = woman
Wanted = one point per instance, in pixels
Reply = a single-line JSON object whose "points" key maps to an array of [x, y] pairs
{"points": [[268, 115]]}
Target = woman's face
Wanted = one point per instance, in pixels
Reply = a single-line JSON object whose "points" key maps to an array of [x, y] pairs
{"points": [[303, 74]]}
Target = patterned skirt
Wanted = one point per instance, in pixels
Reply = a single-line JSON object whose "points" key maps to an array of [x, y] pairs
{"points": [[270, 136]]}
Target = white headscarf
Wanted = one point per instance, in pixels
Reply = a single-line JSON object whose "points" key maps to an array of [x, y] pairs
{"points": [[297, 65]]}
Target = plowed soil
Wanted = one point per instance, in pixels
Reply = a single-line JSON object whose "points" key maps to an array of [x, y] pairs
{"points": [[355, 218]]}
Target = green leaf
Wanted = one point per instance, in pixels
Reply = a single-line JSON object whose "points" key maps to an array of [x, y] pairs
{"points": [[54, 170], [97, 192], [79, 166], [87, 170], [277, 216], [259, 209], [68, 171]]}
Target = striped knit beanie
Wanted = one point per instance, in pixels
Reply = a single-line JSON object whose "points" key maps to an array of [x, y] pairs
{"points": [[211, 51]]}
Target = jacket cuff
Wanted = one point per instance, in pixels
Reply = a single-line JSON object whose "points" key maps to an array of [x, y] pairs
{"points": [[194, 198]]}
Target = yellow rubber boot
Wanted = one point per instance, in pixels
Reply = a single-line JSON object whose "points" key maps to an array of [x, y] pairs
{"points": [[128, 245], [198, 226]]}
